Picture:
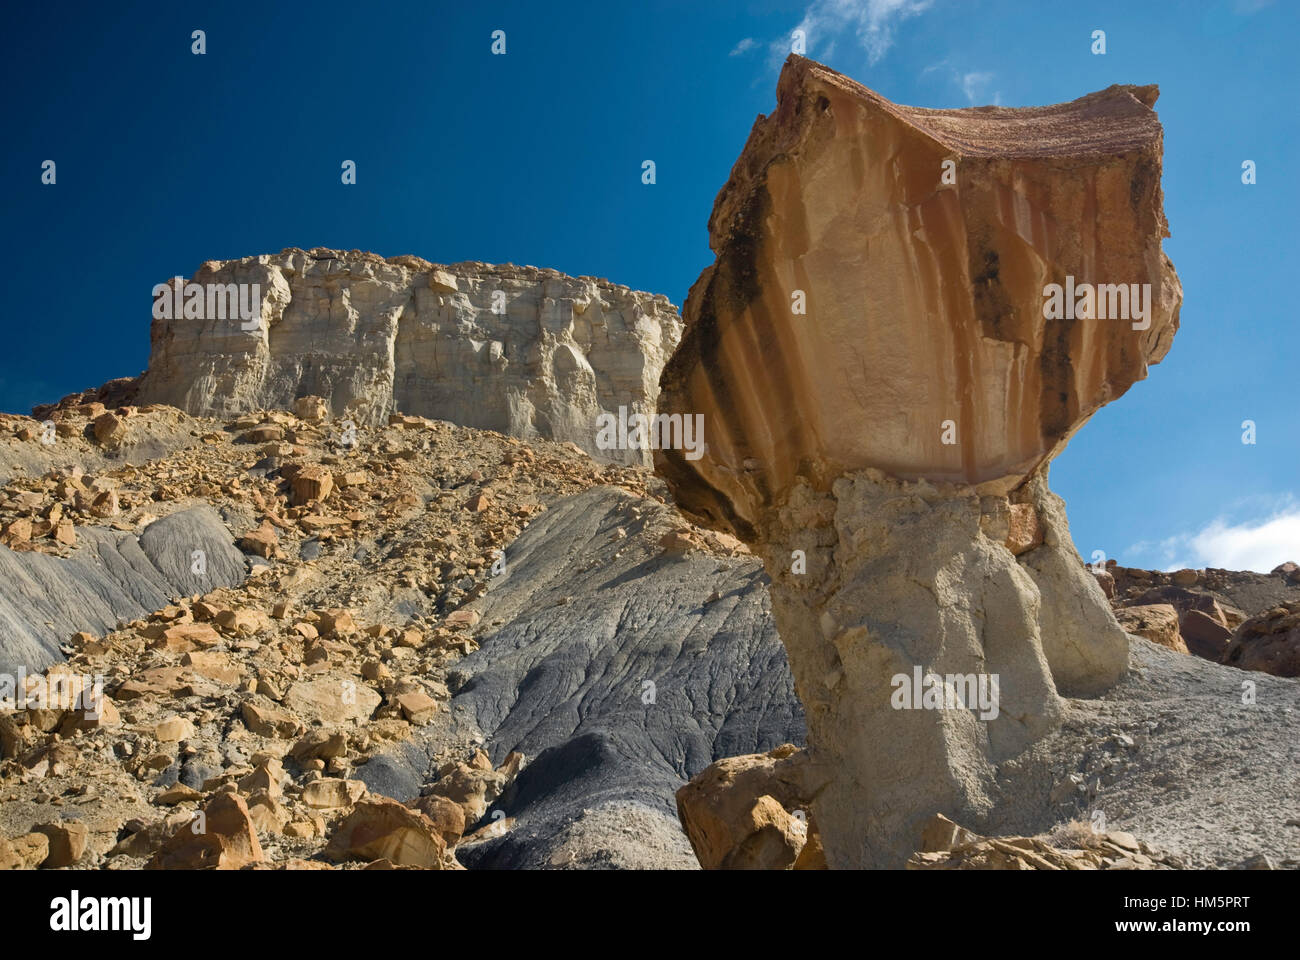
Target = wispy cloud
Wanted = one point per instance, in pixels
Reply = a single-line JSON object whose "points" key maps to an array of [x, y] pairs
{"points": [[749, 43], [871, 22], [974, 85], [1259, 544]]}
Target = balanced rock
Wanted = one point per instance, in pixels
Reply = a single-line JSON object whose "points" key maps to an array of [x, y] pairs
{"points": [[910, 313]]}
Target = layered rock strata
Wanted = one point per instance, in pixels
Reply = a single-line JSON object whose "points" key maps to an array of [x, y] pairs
{"points": [[910, 313], [523, 351]]}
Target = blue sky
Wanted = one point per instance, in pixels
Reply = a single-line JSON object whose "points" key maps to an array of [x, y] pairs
{"points": [[166, 159]]}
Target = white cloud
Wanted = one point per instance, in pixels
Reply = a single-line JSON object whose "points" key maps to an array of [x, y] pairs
{"points": [[974, 84], [872, 22], [1258, 545], [743, 47]]}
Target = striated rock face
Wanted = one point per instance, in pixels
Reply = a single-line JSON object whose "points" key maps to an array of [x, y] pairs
{"points": [[910, 313], [519, 350]]}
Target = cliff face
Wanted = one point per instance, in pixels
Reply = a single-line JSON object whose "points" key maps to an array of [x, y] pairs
{"points": [[519, 350]]}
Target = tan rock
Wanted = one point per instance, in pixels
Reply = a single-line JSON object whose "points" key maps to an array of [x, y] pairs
{"points": [[418, 708], [266, 778], [750, 812], [223, 838], [26, 852], [1269, 642], [173, 730], [109, 429], [490, 334], [266, 814], [214, 665], [1024, 531], [1158, 622], [463, 618], [263, 542], [67, 842], [312, 483], [17, 531], [268, 721], [337, 622], [311, 408], [448, 817], [380, 828], [330, 793], [178, 793], [885, 365], [472, 787], [941, 835], [320, 745], [105, 505], [1204, 635], [332, 700]]}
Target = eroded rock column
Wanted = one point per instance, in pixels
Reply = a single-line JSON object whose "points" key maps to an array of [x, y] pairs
{"points": [[910, 313]]}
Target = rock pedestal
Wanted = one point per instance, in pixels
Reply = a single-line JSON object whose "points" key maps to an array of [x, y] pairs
{"points": [[910, 313]]}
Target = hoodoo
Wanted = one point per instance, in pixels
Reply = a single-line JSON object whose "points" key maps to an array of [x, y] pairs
{"points": [[884, 382]]}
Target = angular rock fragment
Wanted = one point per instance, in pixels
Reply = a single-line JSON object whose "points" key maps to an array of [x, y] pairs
{"points": [[1158, 622], [221, 838], [1269, 642], [24, 853], [67, 842], [910, 314], [380, 828], [750, 812]]}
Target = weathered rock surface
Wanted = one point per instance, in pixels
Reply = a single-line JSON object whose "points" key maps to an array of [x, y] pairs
{"points": [[110, 576], [621, 667], [519, 350], [1269, 642], [752, 812], [1158, 622], [883, 382], [1213, 605]]}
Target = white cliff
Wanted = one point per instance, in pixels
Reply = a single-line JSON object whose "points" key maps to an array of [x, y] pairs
{"points": [[520, 350]]}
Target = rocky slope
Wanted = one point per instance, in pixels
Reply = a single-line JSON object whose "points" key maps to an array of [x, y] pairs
{"points": [[372, 692], [1248, 620], [308, 681]]}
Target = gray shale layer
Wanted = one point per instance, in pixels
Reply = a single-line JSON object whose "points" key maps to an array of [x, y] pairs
{"points": [[110, 576]]}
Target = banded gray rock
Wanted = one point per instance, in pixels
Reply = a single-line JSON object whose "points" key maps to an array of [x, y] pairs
{"points": [[111, 576], [621, 669]]}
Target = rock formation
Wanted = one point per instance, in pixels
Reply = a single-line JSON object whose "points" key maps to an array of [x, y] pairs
{"points": [[523, 351], [910, 313]]}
